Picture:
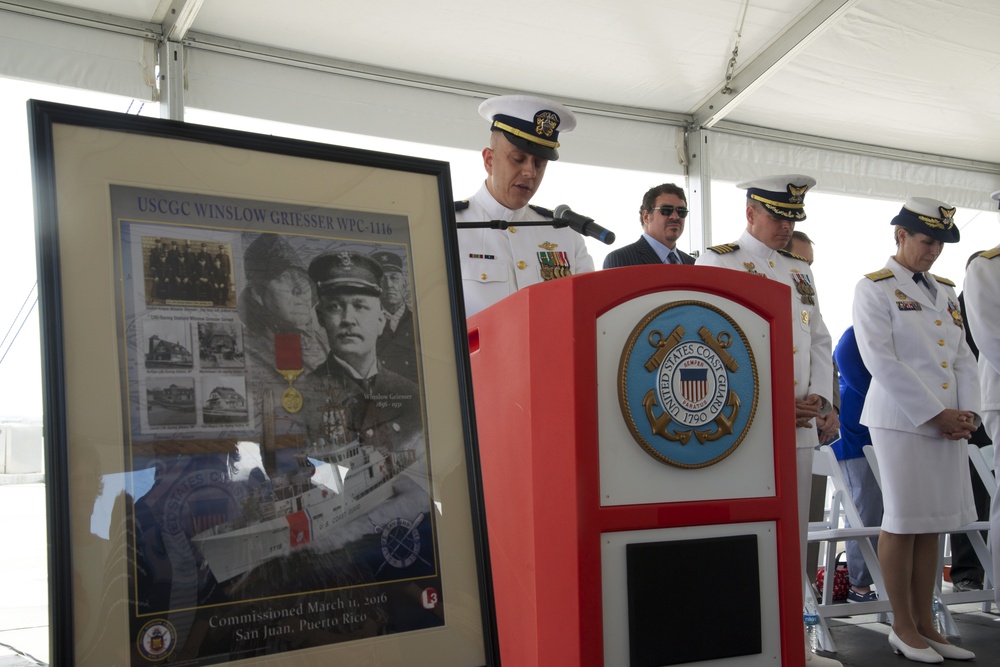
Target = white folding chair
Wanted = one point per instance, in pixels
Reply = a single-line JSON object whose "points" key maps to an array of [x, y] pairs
{"points": [[982, 461], [839, 513]]}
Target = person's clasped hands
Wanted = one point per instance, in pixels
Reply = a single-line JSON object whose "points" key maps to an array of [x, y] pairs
{"points": [[955, 424]]}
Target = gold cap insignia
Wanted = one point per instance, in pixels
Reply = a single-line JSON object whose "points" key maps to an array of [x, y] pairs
{"points": [[797, 193], [546, 123], [948, 214]]}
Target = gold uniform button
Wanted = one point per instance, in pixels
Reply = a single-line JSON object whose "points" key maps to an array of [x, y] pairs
{"points": [[795, 382], [944, 364], [522, 265], [937, 322], [482, 277], [794, 350], [772, 264], [944, 385], [512, 230]]}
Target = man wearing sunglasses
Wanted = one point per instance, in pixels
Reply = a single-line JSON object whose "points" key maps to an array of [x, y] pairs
{"points": [[663, 212]]}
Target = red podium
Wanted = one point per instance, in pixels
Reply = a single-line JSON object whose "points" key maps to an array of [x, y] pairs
{"points": [[636, 436]]}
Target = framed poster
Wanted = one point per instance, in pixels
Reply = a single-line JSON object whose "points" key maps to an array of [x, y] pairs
{"points": [[245, 460]]}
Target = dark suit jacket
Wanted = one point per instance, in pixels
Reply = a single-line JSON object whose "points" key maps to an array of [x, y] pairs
{"points": [[637, 253]]}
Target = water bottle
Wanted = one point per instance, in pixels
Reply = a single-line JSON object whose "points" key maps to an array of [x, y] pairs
{"points": [[811, 620], [937, 612]]}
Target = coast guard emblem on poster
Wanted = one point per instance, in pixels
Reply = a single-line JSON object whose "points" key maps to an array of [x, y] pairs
{"points": [[688, 384], [156, 640]]}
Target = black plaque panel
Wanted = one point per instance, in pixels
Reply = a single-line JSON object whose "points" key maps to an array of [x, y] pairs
{"points": [[693, 600]]}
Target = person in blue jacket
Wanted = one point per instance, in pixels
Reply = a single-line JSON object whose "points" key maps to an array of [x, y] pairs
{"points": [[849, 449]]}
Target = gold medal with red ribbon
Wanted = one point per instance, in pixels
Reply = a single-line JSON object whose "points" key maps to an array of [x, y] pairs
{"points": [[288, 362]]}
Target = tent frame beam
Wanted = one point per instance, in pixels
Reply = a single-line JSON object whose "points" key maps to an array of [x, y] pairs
{"points": [[82, 17], [178, 16], [809, 26], [217, 44]]}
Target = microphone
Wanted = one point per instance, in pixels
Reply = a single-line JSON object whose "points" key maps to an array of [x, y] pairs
{"points": [[583, 225]]}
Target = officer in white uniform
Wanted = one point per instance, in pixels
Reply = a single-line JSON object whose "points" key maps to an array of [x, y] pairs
{"points": [[524, 132], [922, 404], [774, 205], [982, 305]]}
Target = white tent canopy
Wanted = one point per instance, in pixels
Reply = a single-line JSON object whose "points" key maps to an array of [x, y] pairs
{"points": [[874, 98]]}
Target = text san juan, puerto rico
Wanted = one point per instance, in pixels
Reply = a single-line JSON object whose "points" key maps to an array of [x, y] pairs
{"points": [[303, 617]]}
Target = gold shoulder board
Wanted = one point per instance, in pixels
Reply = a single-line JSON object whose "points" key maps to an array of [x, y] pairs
{"points": [[881, 274], [943, 280], [724, 248], [792, 255], [990, 254]]}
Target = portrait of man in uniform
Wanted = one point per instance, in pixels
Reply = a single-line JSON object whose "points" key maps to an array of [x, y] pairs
{"points": [[351, 390], [396, 347]]}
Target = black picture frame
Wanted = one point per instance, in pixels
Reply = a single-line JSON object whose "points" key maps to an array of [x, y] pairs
{"points": [[105, 185]]}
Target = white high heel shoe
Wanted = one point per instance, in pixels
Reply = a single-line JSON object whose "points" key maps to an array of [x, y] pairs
{"points": [[926, 655], [950, 651]]}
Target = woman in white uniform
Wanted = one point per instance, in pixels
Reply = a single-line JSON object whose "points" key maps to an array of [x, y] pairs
{"points": [[922, 405]]}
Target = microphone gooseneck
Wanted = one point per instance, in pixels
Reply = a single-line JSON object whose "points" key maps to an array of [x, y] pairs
{"points": [[583, 225]]}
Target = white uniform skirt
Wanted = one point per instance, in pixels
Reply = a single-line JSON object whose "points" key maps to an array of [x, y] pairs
{"points": [[926, 484]]}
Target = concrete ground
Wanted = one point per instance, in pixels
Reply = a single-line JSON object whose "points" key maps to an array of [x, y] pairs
{"points": [[863, 642]]}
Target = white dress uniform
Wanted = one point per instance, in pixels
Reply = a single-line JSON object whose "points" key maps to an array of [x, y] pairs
{"points": [[982, 302], [982, 306], [915, 348], [812, 347], [496, 263], [812, 350]]}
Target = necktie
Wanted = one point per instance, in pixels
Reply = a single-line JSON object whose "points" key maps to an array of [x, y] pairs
{"points": [[920, 279], [672, 258]]}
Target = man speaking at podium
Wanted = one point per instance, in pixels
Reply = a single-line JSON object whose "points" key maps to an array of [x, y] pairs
{"points": [[524, 132]]}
